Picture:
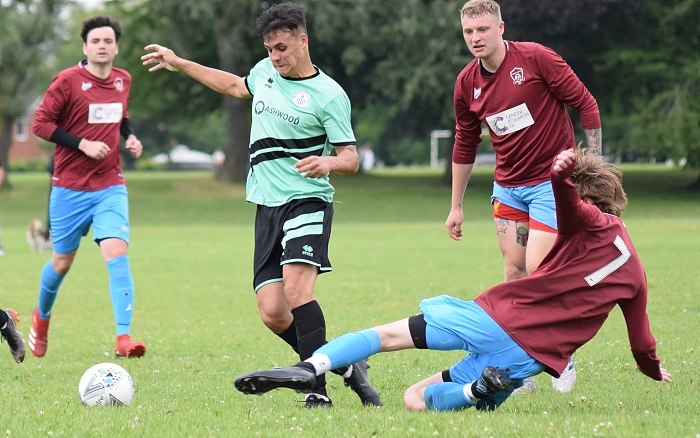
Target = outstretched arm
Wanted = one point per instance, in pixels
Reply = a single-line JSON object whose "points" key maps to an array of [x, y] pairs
{"points": [[218, 80]]}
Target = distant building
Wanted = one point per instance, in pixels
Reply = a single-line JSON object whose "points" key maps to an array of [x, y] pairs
{"points": [[24, 143]]}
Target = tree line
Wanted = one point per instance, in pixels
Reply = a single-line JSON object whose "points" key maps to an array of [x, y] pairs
{"points": [[397, 60]]}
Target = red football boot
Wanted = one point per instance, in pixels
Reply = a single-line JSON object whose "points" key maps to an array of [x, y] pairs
{"points": [[128, 348], [39, 334]]}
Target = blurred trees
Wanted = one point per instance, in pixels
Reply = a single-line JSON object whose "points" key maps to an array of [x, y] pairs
{"points": [[216, 33], [398, 59], [651, 87], [27, 36]]}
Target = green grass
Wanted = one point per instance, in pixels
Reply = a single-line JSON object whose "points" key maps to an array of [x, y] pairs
{"points": [[191, 255]]}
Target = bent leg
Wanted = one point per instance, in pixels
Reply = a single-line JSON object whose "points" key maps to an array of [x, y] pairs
{"points": [[345, 350], [414, 397], [274, 309]]}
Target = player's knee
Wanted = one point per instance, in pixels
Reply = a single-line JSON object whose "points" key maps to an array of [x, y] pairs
{"points": [[273, 322], [413, 398], [514, 272], [61, 263], [275, 319]]}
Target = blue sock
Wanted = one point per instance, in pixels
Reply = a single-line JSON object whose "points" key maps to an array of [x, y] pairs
{"points": [[351, 348], [121, 289], [446, 396], [48, 289]]}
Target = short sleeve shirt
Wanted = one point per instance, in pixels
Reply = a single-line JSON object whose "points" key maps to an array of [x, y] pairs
{"points": [[293, 119]]}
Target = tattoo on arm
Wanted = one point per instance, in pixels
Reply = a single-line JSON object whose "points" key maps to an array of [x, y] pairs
{"points": [[594, 140]]}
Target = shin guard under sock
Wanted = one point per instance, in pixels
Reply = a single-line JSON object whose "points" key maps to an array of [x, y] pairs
{"points": [[446, 396], [48, 289], [351, 348], [311, 334], [121, 289]]}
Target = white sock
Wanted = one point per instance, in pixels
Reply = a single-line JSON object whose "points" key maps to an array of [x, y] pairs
{"points": [[468, 393], [348, 373], [321, 363]]}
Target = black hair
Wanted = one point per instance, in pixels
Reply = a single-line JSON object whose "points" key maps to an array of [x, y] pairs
{"points": [[287, 17], [100, 21]]}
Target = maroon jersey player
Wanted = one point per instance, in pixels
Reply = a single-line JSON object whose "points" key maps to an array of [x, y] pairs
{"points": [[79, 105], [591, 268], [84, 112], [519, 91]]}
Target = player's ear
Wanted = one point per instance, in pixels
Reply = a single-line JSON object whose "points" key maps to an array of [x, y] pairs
{"points": [[587, 201]]}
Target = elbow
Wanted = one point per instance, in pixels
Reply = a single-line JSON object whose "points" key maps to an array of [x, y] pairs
{"points": [[39, 131], [355, 167]]}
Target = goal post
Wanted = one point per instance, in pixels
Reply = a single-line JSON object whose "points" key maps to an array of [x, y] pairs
{"points": [[434, 136]]}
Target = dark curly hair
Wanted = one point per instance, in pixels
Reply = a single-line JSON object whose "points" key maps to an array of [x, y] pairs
{"points": [[100, 21], [287, 17]]}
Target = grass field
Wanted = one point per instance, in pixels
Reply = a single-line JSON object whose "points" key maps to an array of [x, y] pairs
{"points": [[191, 255]]}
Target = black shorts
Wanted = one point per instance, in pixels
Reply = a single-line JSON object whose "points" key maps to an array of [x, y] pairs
{"points": [[296, 232]]}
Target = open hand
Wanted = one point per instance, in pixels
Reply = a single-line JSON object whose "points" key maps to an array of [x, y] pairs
{"points": [[161, 56]]}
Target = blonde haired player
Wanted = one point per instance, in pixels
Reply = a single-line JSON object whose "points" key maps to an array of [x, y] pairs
{"points": [[520, 91]]}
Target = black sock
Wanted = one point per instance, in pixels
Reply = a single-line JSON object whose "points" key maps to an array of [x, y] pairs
{"points": [[311, 335], [3, 318], [290, 337], [316, 339]]}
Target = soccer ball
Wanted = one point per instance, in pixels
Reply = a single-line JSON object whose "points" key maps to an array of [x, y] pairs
{"points": [[106, 384]]}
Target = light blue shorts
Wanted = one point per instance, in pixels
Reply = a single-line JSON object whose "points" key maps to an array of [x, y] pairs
{"points": [[73, 211], [537, 201], [454, 324]]}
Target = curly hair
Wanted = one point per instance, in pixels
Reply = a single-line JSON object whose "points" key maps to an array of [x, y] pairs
{"points": [[600, 182], [287, 17], [100, 21]]}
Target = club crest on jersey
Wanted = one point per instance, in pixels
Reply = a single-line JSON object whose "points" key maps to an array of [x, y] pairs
{"points": [[302, 98], [477, 93], [119, 84], [518, 75], [85, 86]]}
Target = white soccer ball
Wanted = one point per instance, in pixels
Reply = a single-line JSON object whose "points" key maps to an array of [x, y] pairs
{"points": [[106, 384]]}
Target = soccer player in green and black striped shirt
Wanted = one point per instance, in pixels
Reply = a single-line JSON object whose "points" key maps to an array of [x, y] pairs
{"points": [[300, 115]]}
